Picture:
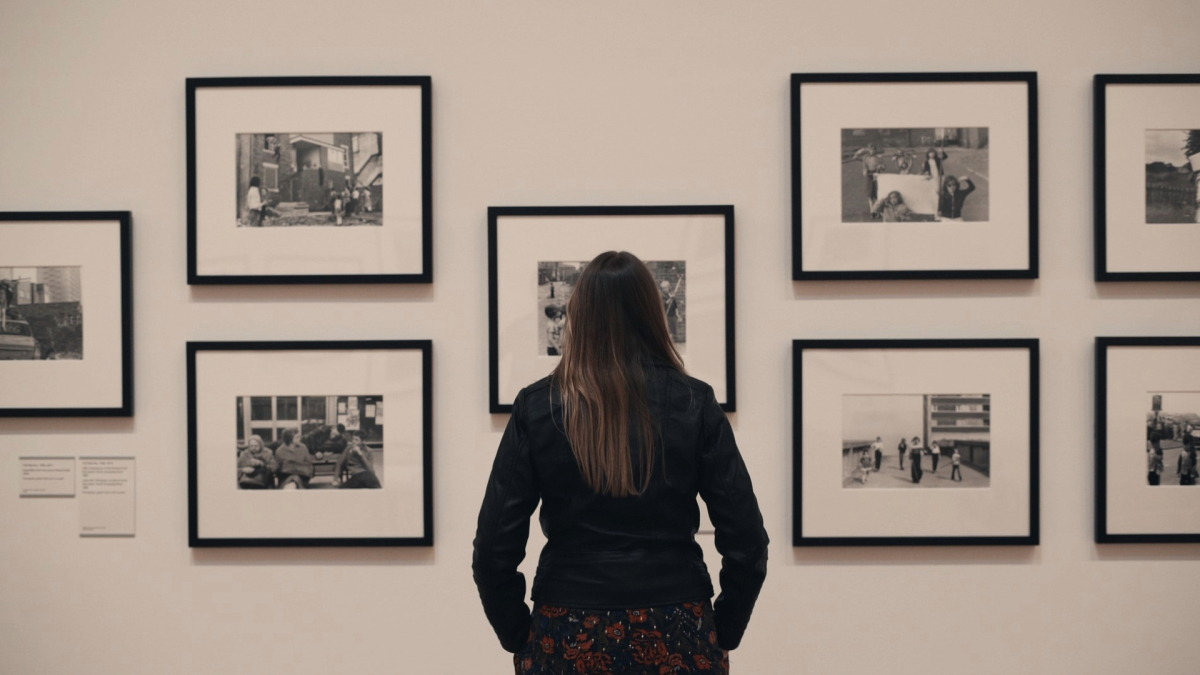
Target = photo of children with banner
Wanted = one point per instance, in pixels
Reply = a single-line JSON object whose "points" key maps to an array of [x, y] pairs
{"points": [[915, 174]]}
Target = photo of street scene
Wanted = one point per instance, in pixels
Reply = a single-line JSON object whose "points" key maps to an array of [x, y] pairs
{"points": [[309, 442], [1172, 438], [915, 174], [916, 440], [41, 313], [556, 279], [1172, 175], [310, 179]]}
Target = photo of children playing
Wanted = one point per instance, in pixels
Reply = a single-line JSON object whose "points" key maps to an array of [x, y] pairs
{"points": [[556, 279], [1173, 438], [916, 440], [915, 174], [310, 179], [309, 442], [1172, 175]]}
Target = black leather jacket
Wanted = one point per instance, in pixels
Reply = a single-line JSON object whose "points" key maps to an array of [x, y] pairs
{"points": [[607, 552]]}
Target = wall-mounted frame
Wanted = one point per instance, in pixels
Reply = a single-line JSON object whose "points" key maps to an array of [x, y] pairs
{"points": [[305, 461], [535, 253], [1147, 177], [66, 314], [1147, 436], [914, 176], [938, 442], [286, 184]]}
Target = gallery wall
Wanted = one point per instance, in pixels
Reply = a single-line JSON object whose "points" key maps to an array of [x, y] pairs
{"points": [[538, 102]]}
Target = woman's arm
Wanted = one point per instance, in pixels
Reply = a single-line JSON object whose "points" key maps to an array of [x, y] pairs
{"points": [[741, 538], [503, 531]]}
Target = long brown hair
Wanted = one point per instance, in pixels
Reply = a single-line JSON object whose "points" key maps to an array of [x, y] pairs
{"points": [[616, 326]]}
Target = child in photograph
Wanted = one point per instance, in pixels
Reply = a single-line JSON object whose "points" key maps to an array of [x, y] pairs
{"points": [[295, 462], [1154, 465], [864, 465], [254, 202], [892, 208], [903, 448], [356, 463], [935, 453], [933, 165], [955, 466], [1186, 467], [872, 164], [337, 203], [904, 161], [950, 200], [554, 332], [914, 458], [256, 465]]}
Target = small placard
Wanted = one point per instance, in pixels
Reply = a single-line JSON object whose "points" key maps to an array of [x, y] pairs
{"points": [[107, 497], [47, 476]]}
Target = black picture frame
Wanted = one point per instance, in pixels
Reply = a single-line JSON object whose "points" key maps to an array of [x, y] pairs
{"points": [[125, 226], [1030, 271], [424, 82], [1101, 82], [799, 539], [1102, 535], [426, 539], [495, 213]]}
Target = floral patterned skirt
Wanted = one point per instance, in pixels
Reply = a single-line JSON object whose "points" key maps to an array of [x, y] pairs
{"points": [[652, 641]]}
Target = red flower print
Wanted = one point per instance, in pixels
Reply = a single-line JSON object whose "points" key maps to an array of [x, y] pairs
{"points": [[548, 644], [712, 637], [527, 664], [594, 662], [638, 616], [553, 612], [648, 647], [615, 631], [591, 621], [702, 662]]}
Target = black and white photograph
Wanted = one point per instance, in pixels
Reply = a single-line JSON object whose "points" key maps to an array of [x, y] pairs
{"points": [[310, 179], [893, 442], [556, 279], [953, 156], [1146, 175], [1172, 175], [285, 180], [41, 313], [1147, 438], [536, 255], [916, 440], [915, 174], [60, 271], [1172, 434], [309, 442], [287, 443]]}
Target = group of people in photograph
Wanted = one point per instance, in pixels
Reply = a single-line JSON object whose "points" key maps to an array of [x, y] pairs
{"points": [[289, 463], [951, 191], [1186, 468], [872, 459], [344, 203]]}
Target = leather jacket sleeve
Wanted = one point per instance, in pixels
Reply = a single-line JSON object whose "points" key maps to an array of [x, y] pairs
{"points": [[502, 533], [741, 538]]}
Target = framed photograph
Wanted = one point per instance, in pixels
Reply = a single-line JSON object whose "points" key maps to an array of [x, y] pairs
{"points": [[915, 442], [1147, 436], [1147, 177], [286, 180], [66, 314], [535, 256], [914, 176], [287, 444]]}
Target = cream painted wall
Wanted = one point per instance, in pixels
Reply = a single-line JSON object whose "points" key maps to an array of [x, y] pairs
{"points": [[560, 102]]}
